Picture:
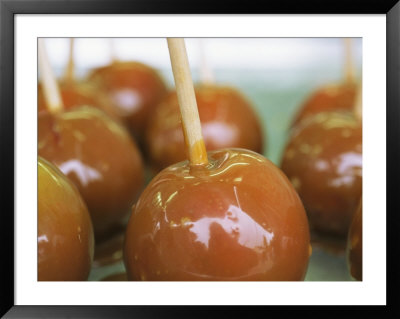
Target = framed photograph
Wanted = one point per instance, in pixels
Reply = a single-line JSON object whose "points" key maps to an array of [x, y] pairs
{"points": [[272, 63]]}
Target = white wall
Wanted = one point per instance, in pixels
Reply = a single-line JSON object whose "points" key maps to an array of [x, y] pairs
{"points": [[227, 53]]}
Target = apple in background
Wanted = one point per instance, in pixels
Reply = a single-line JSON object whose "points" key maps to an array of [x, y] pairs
{"points": [[323, 160], [134, 89], [227, 120]]}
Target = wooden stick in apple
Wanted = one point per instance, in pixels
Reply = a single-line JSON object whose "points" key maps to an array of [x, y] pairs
{"points": [[70, 71], [49, 82], [349, 68], [358, 104], [206, 74], [187, 102], [111, 45]]}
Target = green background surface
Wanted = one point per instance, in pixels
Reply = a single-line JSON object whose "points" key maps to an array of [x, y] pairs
{"points": [[276, 95]]}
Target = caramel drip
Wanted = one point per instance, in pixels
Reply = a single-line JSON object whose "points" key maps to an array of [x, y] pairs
{"points": [[198, 153]]}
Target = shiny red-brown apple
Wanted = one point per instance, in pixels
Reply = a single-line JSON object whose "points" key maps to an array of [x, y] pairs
{"points": [[331, 98], [323, 160], [238, 218], [134, 89], [65, 233], [227, 120], [75, 94], [337, 97], [99, 156]]}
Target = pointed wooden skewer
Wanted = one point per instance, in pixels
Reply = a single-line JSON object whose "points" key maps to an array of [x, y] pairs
{"points": [[48, 80], [349, 71], [206, 74], [358, 104], [111, 45], [187, 102], [70, 71]]}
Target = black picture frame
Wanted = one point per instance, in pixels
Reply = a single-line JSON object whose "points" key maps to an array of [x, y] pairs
{"points": [[8, 10]]}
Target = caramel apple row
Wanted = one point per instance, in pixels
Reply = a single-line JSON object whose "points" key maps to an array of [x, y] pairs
{"points": [[135, 95]]}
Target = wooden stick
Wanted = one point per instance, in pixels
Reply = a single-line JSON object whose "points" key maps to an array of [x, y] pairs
{"points": [[111, 44], [206, 74], [187, 102], [349, 71], [49, 82], [358, 104], [70, 71]]}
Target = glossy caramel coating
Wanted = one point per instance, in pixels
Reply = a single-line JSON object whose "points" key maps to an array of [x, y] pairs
{"points": [[339, 97], [227, 120], [354, 245], [65, 233], [323, 160], [75, 94], [134, 89], [99, 156], [238, 218]]}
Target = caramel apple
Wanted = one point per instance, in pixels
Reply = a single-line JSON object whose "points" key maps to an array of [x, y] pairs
{"points": [[335, 97], [65, 233], [330, 98], [94, 151], [323, 160], [227, 120], [226, 215], [99, 156], [134, 89], [354, 245], [237, 218], [75, 94]]}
